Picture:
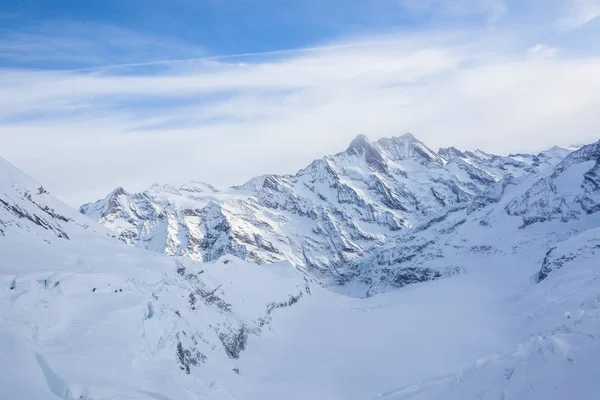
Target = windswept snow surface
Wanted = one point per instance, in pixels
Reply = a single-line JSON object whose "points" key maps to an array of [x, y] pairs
{"points": [[497, 298], [86, 317]]}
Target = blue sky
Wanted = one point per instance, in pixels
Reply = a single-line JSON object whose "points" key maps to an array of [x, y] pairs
{"points": [[106, 93], [220, 27]]}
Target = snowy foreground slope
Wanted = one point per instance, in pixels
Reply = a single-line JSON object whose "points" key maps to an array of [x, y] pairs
{"points": [[505, 304], [85, 316]]}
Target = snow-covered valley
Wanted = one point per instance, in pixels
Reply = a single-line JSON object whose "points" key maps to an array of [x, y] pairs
{"points": [[430, 284]]}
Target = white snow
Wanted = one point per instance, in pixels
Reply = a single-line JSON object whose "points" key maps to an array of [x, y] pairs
{"points": [[86, 317]]}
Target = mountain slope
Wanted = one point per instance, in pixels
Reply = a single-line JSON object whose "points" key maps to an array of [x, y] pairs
{"points": [[563, 194], [558, 349], [87, 317], [511, 216]]}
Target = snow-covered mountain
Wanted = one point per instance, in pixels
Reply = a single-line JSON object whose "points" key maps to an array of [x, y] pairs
{"points": [[324, 218], [503, 220], [508, 306], [85, 316]]}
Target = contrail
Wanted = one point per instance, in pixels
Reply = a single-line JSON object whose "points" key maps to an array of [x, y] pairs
{"points": [[229, 56]]}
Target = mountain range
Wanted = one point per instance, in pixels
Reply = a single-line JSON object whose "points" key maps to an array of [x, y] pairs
{"points": [[327, 217], [387, 271]]}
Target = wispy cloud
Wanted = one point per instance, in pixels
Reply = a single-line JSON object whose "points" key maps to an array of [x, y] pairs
{"points": [[65, 43], [577, 13], [209, 119], [543, 50], [134, 109]]}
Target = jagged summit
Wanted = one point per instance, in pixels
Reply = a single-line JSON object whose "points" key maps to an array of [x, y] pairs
{"points": [[111, 201], [555, 152], [590, 152], [362, 146], [407, 136], [482, 154], [450, 153], [569, 191], [360, 141], [407, 147], [560, 148], [253, 184], [119, 191]]}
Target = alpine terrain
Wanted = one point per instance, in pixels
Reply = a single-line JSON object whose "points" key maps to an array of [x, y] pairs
{"points": [[387, 271], [325, 218]]}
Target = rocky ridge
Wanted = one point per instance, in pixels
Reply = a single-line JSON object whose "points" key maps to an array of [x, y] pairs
{"points": [[326, 217]]}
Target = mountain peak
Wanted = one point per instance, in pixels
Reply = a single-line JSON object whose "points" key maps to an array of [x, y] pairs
{"points": [[408, 136], [450, 153], [362, 146], [359, 142], [482, 154], [555, 151], [404, 138], [272, 182], [407, 146], [254, 184], [118, 192]]}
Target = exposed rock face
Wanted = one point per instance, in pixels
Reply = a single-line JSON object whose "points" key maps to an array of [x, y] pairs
{"points": [[571, 190], [580, 249], [492, 194], [324, 218], [362, 147], [495, 224], [26, 205], [590, 200]]}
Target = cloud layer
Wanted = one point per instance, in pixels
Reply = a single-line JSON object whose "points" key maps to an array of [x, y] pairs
{"points": [[226, 119]]}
